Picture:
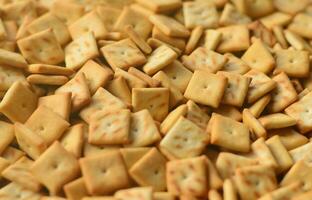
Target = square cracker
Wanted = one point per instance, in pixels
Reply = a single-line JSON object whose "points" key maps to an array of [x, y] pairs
{"points": [[258, 107], [159, 38], [196, 114], [204, 59], [138, 40], [155, 100], [49, 69], [236, 90], [139, 22], [212, 39], [259, 57], [301, 111], [184, 140], [76, 189], [101, 100], [47, 124], [225, 130], [104, 173], [256, 9], [277, 120], [145, 193], [67, 12], [80, 50], [294, 63], [123, 54], [200, 13], [49, 20], [262, 153], [255, 127], [53, 170], [254, 181], [229, 111], [9, 75], [7, 135], [133, 154], [169, 26], [290, 6], [194, 39], [160, 57], [144, 77], [12, 154], [235, 64], [80, 94], [31, 143], [132, 80], [109, 127], [3, 33], [12, 59], [161, 6], [15, 191], [73, 138], [163, 196], [283, 95], [40, 79], [234, 38], [90, 22], [231, 16], [187, 177], [41, 47], [204, 84], [119, 87], [150, 170], [260, 85], [108, 20], [292, 191], [19, 102], [172, 117], [143, 130], [301, 25]]}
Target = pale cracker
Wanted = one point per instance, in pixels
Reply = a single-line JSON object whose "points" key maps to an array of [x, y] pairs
{"points": [[119, 88], [22, 29], [256, 10], [136, 38], [297, 85], [143, 130], [7, 135], [229, 111], [203, 84], [195, 36], [16, 191], [169, 26], [262, 153], [229, 190], [133, 154], [49, 69], [200, 13], [258, 107], [255, 127], [163, 196], [12, 59], [289, 137], [90, 22], [212, 39], [30, 142], [156, 100], [158, 36], [3, 33], [304, 196], [196, 114], [80, 50], [132, 80], [53, 170], [214, 179], [146, 78], [301, 25], [41, 79], [161, 6], [276, 19], [301, 152], [41, 47], [58, 103], [41, 121], [19, 102], [101, 100], [67, 12], [234, 64], [184, 140], [279, 35], [104, 173], [141, 9], [135, 193], [204, 59], [80, 94], [277, 120], [123, 54], [172, 117], [12, 154], [72, 140], [296, 41], [231, 16], [9, 75], [259, 31], [76, 189], [150, 170], [214, 195], [289, 191], [108, 19], [187, 176]]}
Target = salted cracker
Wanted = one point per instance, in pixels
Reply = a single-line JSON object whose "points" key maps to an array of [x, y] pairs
{"points": [[172, 117], [277, 120], [12, 59], [232, 16], [212, 39], [58, 103], [15, 191], [67, 12], [159, 38], [135, 193], [258, 107], [132, 80], [229, 111], [133, 154], [7, 134], [161, 6], [301, 25], [75, 189], [119, 88], [138, 40], [72, 139], [49, 69], [235, 64], [144, 77], [255, 127], [108, 20], [196, 114], [41, 79]]}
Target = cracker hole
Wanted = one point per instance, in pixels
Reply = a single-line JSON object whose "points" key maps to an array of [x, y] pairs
{"points": [[108, 124], [24, 105], [291, 61], [103, 171], [174, 78], [185, 139], [41, 128], [151, 106], [156, 172], [55, 166]]}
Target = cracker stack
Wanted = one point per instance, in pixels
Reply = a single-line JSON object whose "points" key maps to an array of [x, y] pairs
{"points": [[155, 100]]}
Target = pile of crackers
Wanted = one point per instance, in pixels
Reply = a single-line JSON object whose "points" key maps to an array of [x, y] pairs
{"points": [[155, 100]]}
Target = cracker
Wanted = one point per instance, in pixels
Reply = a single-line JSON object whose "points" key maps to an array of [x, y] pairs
{"points": [[185, 139], [258, 57], [226, 130], [256, 10], [283, 95], [141, 9], [49, 69], [49, 20], [288, 191], [67, 12], [132, 80], [255, 127], [234, 64], [260, 85], [301, 152], [163, 196], [236, 90], [277, 120], [262, 153], [296, 41], [196, 114], [12, 154], [72, 140], [4, 163], [279, 35], [80, 50], [214, 179], [90, 22], [160, 57], [187, 177], [172, 117], [304, 196], [144, 77], [231, 41], [19, 102], [19, 173], [204, 84], [258, 107], [101, 100], [195, 36], [229, 111], [143, 130], [18, 10], [150, 170], [104, 173], [276, 19], [133, 154], [99, 198], [301, 112], [12, 59], [229, 190], [47, 79], [259, 31], [204, 59], [16, 191], [7, 135], [231, 16], [41, 47], [214, 195], [139, 22], [300, 25], [123, 54], [3, 33], [31, 143], [280, 153], [80, 94], [47, 124], [58, 103], [175, 96], [134, 193], [76, 189], [212, 39], [158, 38], [136, 38], [156, 100], [119, 87], [254, 181], [160, 6], [200, 13], [108, 20], [178, 74], [53, 170]]}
